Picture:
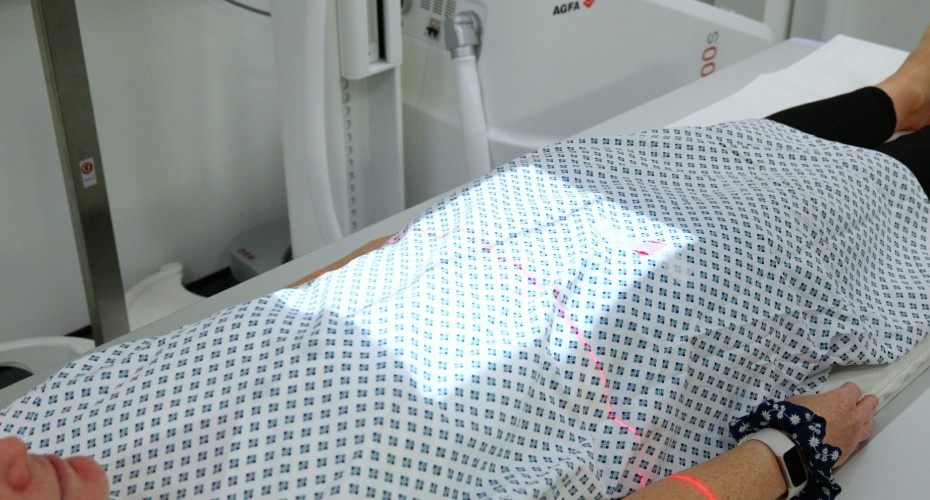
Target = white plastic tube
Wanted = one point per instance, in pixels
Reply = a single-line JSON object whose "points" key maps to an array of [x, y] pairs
{"points": [[777, 16], [316, 145], [474, 125], [301, 47]]}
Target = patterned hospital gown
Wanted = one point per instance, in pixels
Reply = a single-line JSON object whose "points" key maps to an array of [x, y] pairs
{"points": [[582, 321]]}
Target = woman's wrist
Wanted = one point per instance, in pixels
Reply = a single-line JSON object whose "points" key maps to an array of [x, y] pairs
{"points": [[793, 465], [807, 430], [772, 483]]}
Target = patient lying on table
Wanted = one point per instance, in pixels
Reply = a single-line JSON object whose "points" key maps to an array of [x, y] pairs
{"points": [[583, 322]]}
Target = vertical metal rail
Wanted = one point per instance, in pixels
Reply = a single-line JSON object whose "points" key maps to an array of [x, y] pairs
{"points": [[73, 114]]}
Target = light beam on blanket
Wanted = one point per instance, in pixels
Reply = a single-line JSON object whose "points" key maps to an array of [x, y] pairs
{"points": [[642, 254], [650, 249]]}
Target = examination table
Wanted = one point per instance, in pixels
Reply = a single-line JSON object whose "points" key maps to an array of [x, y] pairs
{"points": [[891, 457]]}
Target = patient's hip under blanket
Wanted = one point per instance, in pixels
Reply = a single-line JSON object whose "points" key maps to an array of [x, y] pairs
{"points": [[582, 321]]}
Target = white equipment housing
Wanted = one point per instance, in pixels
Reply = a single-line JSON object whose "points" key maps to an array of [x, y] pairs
{"points": [[544, 71], [551, 69], [339, 87]]}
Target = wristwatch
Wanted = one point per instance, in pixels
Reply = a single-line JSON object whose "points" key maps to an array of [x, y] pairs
{"points": [[789, 458]]}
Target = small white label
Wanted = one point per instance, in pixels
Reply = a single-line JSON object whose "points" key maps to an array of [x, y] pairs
{"points": [[88, 172]]}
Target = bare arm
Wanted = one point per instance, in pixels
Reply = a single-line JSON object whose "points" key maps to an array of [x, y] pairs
{"points": [[750, 471], [362, 250]]}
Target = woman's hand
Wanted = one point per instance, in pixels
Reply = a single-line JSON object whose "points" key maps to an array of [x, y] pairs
{"points": [[848, 413]]}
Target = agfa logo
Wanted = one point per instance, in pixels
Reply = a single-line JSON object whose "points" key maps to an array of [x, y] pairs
{"points": [[566, 8]]}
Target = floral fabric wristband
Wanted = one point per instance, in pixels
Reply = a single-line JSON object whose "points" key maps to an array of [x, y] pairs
{"points": [[807, 430]]}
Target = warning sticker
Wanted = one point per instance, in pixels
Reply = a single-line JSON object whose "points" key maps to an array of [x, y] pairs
{"points": [[88, 173]]}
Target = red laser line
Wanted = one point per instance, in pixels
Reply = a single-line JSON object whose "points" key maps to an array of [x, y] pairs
{"points": [[697, 484], [611, 414]]}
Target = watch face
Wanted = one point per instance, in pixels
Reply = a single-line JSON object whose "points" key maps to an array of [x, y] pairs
{"points": [[795, 465]]}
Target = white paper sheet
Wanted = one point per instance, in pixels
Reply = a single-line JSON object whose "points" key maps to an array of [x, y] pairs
{"points": [[840, 65]]}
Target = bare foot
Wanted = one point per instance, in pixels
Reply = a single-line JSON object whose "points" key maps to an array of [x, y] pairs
{"points": [[909, 88]]}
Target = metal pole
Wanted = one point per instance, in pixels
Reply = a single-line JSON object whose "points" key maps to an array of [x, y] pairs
{"points": [[73, 114]]}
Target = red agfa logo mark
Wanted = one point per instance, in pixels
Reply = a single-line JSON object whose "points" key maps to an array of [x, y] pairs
{"points": [[566, 8]]}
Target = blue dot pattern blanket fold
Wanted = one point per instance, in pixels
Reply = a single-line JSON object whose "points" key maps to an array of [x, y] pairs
{"points": [[582, 321]]}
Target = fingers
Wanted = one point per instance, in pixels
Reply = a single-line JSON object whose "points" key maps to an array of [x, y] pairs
{"points": [[849, 416], [866, 408], [850, 391], [865, 431], [869, 403], [850, 396], [14, 463], [862, 407]]}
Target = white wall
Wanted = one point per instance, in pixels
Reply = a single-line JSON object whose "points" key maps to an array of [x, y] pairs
{"points": [[185, 101], [40, 281], [896, 23]]}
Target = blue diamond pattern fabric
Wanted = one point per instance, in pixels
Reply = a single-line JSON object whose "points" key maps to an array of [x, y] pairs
{"points": [[580, 322]]}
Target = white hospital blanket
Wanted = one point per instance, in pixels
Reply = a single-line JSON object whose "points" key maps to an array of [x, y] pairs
{"points": [[841, 65], [582, 321]]}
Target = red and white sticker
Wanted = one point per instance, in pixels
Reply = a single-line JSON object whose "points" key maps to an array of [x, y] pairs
{"points": [[88, 172]]}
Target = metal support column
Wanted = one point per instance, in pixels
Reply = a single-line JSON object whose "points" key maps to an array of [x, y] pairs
{"points": [[73, 115]]}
